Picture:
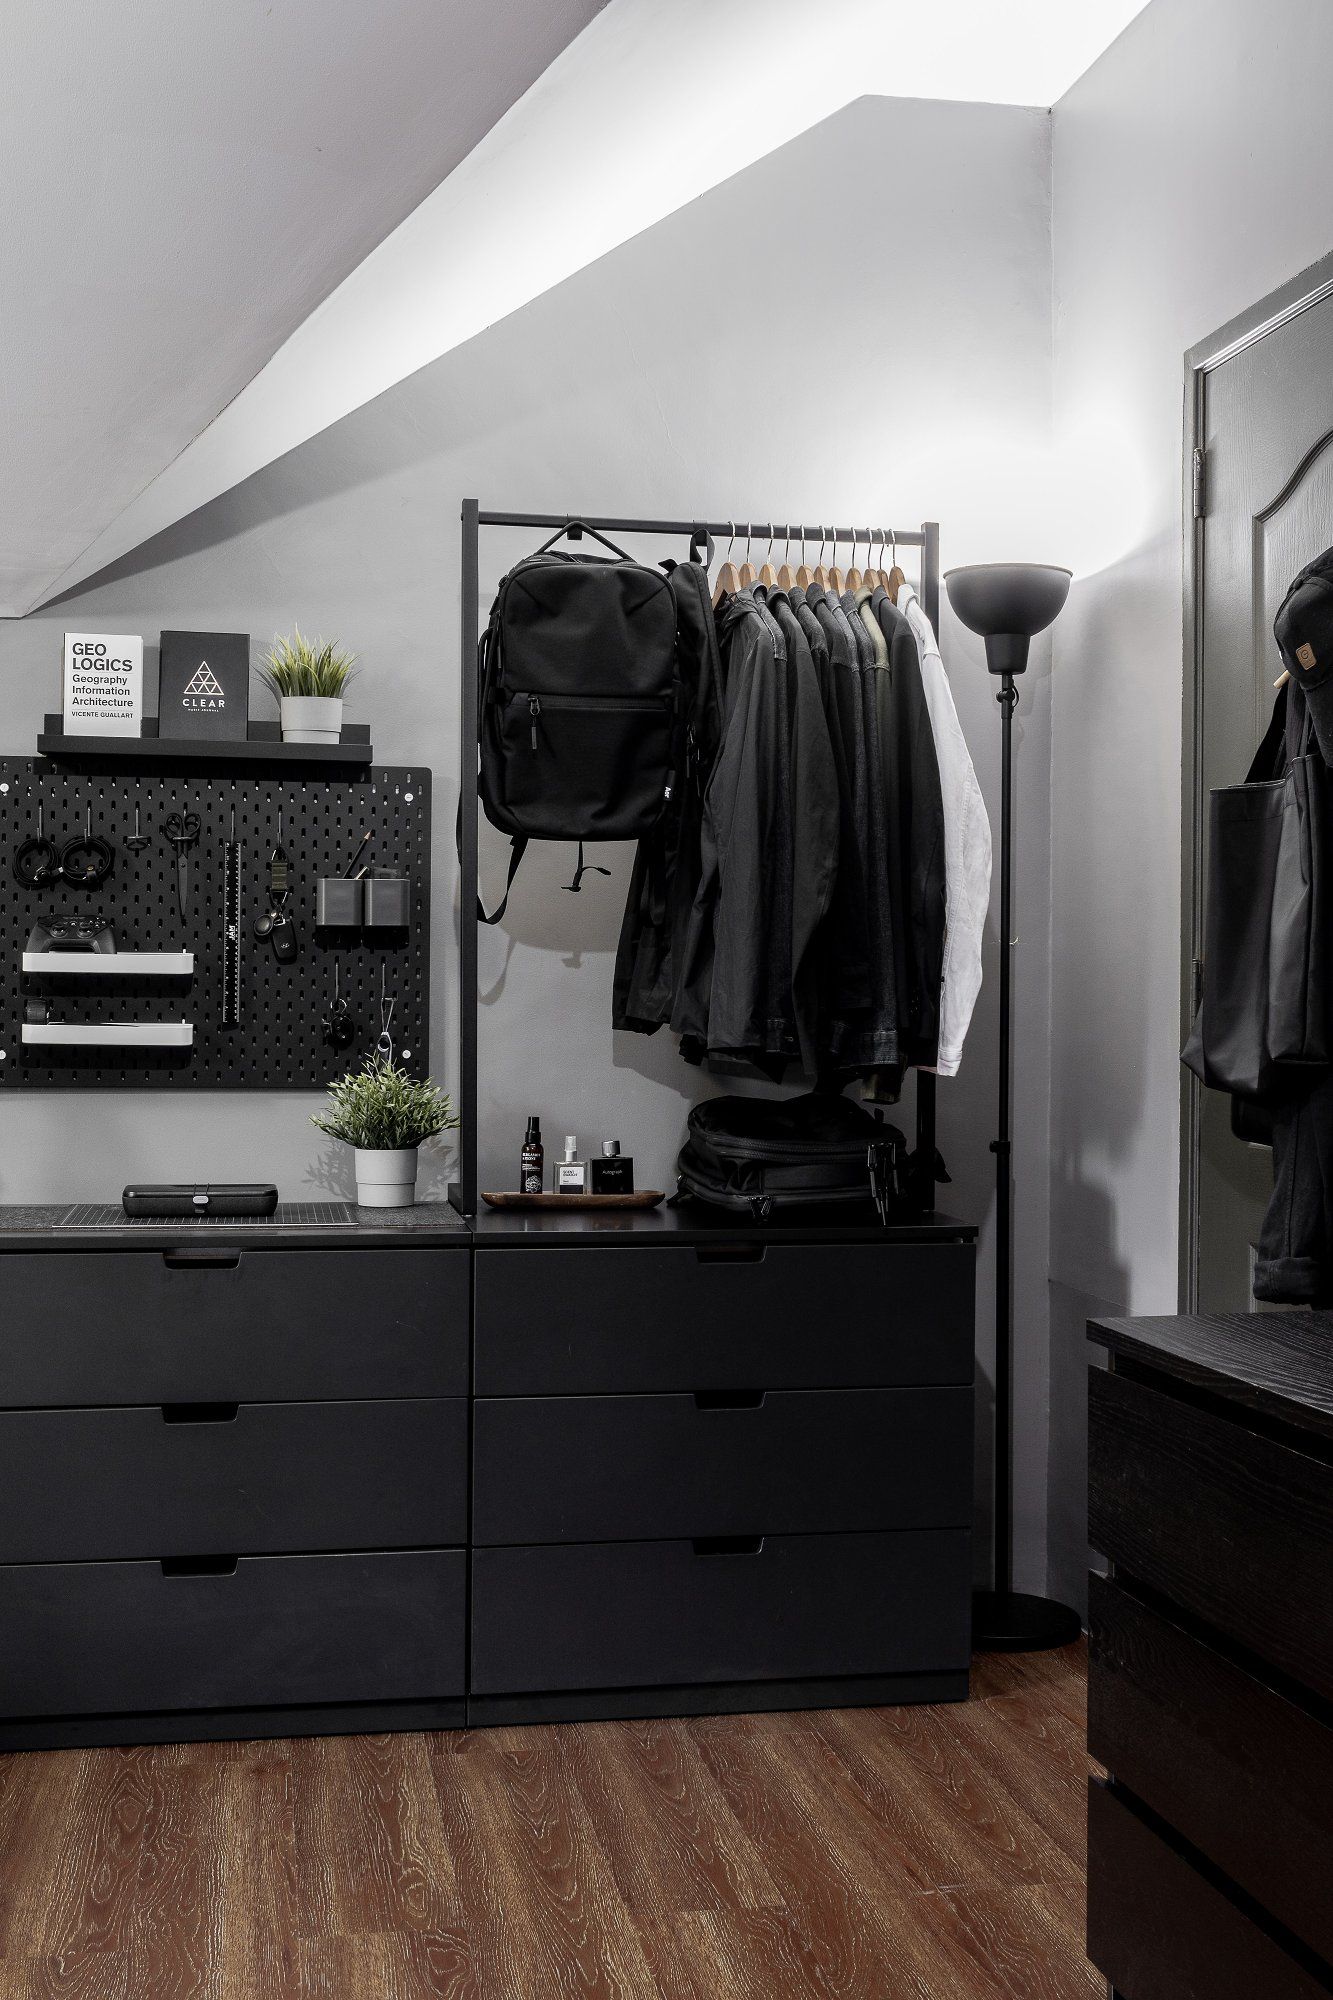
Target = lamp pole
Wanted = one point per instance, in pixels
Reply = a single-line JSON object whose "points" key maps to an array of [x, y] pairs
{"points": [[1006, 604]]}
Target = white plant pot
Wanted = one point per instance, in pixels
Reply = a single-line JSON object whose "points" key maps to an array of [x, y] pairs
{"points": [[386, 1179], [311, 718]]}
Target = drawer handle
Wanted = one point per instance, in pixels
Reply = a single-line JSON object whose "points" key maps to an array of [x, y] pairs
{"points": [[730, 1253], [727, 1545], [199, 1413], [219, 1259], [198, 1565], [729, 1399]]}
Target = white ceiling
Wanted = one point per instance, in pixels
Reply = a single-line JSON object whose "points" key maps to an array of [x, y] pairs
{"points": [[213, 256], [182, 182]]}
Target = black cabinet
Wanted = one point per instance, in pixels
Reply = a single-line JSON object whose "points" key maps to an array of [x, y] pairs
{"points": [[331, 1485], [1210, 1471], [234, 1494], [741, 1461]]}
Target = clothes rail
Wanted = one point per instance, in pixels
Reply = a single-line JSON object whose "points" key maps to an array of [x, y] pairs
{"points": [[464, 1193]]}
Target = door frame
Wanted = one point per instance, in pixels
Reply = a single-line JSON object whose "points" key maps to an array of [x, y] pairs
{"points": [[1310, 288]]}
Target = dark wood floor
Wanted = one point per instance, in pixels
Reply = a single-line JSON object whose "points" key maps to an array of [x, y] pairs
{"points": [[927, 1853]]}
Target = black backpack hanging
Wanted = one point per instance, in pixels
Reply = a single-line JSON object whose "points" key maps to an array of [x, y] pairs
{"points": [[754, 1155], [578, 700]]}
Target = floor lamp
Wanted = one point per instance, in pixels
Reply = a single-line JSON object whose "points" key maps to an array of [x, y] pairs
{"points": [[1007, 604]]}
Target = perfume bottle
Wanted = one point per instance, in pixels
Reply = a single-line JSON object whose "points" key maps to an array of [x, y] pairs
{"points": [[571, 1173], [614, 1172], [532, 1160]]}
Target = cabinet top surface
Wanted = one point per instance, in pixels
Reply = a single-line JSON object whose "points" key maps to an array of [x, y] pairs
{"points": [[693, 1223], [1280, 1364], [89, 1226]]}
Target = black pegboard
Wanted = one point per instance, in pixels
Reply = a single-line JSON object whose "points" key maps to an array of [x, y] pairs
{"points": [[279, 1044]]}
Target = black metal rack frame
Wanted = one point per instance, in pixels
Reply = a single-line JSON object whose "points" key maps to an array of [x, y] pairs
{"points": [[475, 518]]}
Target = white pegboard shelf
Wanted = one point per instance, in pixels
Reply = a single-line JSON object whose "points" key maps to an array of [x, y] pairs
{"points": [[99, 965], [112, 1034]]}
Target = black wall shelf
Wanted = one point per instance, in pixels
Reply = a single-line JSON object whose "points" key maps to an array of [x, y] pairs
{"points": [[263, 745]]}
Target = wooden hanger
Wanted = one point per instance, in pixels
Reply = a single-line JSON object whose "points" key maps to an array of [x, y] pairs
{"points": [[896, 576], [748, 573], [854, 574], [836, 581], [768, 576], [786, 575], [805, 576], [728, 581], [821, 574]]}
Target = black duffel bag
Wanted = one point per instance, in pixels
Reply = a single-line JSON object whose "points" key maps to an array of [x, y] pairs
{"points": [[755, 1156], [579, 708], [1263, 1011]]}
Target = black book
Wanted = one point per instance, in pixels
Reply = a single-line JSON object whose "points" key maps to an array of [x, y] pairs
{"points": [[204, 685]]}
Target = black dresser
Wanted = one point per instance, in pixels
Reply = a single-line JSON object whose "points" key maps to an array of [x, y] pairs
{"points": [[406, 1473], [1210, 1697]]}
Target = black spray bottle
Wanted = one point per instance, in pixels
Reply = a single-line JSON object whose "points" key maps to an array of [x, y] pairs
{"points": [[532, 1160]]}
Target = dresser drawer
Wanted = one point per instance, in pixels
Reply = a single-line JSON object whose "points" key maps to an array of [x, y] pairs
{"points": [[114, 1638], [639, 1468], [1158, 1930], [1234, 1526], [208, 1323], [1241, 1772], [787, 1316], [207, 1479], [643, 1614]]}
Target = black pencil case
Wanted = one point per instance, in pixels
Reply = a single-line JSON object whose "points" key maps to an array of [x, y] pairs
{"points": [[190, 1198]]}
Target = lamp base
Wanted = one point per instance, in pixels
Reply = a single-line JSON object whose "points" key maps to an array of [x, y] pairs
{"points": [[1009, 1621]]}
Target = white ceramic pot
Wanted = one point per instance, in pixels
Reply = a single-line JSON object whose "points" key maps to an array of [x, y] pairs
{"points": [[386, 1179], [311, 718]]}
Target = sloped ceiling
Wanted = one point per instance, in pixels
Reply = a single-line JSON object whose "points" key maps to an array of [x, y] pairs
{"points": [[182, 182], [236, 223]]}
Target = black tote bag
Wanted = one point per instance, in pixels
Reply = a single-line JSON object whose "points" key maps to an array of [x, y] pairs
{"points": [[1264, 1005]]}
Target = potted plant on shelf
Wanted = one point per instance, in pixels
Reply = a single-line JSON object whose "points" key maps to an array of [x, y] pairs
{"points": [[385, 1115], [308, 679]]}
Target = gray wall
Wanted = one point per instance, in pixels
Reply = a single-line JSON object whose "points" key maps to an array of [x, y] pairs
{"points": [[1191, 170], [732, 360]]}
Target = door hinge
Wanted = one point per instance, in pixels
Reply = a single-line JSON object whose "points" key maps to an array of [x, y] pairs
{"points": [[1200, 482]]}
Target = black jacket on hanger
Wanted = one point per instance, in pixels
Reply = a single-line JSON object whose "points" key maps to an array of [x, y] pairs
{"points": [[667, 862]]}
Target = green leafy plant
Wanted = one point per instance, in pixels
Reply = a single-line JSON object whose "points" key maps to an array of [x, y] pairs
{"points": [[382, 1108], [303, 666]]}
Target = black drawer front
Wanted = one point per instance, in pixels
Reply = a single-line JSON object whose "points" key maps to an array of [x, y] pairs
{"points": [[112, 1638], [204, 1479], [1236, 1528], [639, 1468], [1243, 1774], [565, 1322], [1159, 1931], [643, 1614], [252, 1326]]}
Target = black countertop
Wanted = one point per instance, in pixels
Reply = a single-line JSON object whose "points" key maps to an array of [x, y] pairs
{"points": [[308, 1225], [297, 1225], [1278, 1364], [694, 1223]]}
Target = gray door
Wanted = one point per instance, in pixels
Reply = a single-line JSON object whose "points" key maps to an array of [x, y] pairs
{"points": [[1266, 421]]}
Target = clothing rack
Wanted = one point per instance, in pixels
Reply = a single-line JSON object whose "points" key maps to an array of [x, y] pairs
{"points": [[474, 518]]}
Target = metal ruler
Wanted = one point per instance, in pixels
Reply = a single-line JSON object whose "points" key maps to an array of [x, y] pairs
{"points": [[231, 933]]}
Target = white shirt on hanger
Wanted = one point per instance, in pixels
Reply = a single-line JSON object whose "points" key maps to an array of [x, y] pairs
{"points": [[967, 845]]}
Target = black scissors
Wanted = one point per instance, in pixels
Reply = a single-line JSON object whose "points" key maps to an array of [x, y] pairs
{"points": [[182, 830]]}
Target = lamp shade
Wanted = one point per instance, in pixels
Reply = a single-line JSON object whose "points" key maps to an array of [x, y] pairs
{"points": [[1006, 604]]}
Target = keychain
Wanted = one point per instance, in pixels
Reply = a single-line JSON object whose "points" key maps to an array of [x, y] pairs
{"points": [[275, 924], [339, 1027]]}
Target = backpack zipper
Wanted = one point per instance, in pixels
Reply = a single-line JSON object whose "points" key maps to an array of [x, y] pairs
{"points": [[605, 703]]}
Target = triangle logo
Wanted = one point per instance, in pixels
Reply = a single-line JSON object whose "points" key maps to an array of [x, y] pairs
{"points": [[204, 681]]}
